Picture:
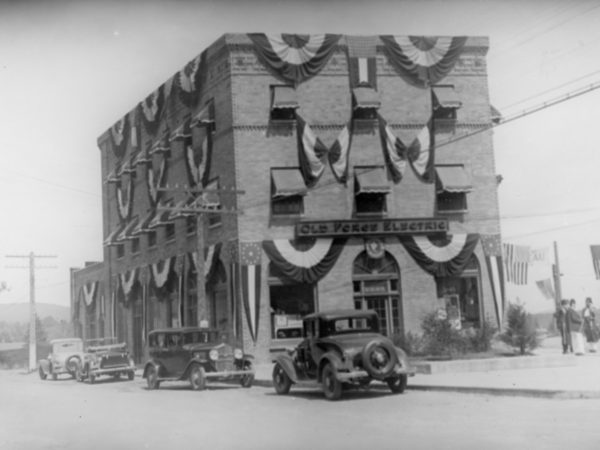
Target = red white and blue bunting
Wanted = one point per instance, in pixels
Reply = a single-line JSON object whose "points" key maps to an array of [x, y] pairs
{"points": [[119, 135], [304, 260], [89, 292], [311, 152], [160, 272], [292, 57], [250, 270], [421, 153], [211, 258], [339, 154], [125, 198], [394, 151], [188, 80], [127, 281], [150, 110], [198, 155], [155, 179], [423, 60], [441, 259]]}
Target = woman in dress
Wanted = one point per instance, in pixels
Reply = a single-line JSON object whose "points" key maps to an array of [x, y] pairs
{"points": [[590, 329], [575, 325]]}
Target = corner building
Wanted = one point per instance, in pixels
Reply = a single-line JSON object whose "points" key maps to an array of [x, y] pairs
{"points": [[289, 174]]}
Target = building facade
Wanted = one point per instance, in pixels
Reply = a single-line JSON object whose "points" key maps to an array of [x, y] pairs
{"points": [[288, 174]]}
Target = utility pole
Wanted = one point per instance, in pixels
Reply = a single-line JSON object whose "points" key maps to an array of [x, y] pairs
{"points": [[199, 209], [32, 312], [556, 274]]}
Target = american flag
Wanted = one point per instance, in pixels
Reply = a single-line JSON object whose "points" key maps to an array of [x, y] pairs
{"points": [[492, 249], [596, 259], [516, 262], [250, 259]]}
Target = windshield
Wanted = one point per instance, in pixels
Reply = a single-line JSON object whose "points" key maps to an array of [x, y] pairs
{"points": [[350, 325], [63, 347]]}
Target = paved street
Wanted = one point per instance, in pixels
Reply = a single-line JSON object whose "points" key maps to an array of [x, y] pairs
{"points": [[64, 414]]}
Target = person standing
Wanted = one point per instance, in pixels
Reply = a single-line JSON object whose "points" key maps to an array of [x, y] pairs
{"points": [[590, 329], [562, 324], [575, 325]]}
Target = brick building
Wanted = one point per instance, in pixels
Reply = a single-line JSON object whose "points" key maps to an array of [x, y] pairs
{"points": [[289, 174]]}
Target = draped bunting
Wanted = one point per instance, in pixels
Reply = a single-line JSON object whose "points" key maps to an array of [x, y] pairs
{"points": [[127, 280], [339, 154], [492, 249], [441, 260], [125, 198], [423, 60], [119, 134], [302, 260], [160, 272], [250, 258], [211, 256], [310, 153], [394, 151], [155, 179], [188, 81], [89, 292], [421, 153], [198, 155], [292, 57], [150, 110]]}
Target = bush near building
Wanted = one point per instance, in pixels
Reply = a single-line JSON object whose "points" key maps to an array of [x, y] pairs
{"points": [[521, 331]]}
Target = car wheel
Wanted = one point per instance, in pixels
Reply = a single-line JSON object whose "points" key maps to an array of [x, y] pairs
{"points": [[197, 377], [281, 381], [379, 359], [42, 373], [152, 378], [130, 375], [72, 364], [397, 384], [247, 380], [332, 387]]}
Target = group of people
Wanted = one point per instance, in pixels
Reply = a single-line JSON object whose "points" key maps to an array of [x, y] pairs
{"points": [[574, 325]]}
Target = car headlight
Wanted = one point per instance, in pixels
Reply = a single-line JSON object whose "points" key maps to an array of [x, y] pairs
{"points": [[214, 354], [238, 354]]}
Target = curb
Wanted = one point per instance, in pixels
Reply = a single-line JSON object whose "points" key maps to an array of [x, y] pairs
{"points": [[510, 392]]}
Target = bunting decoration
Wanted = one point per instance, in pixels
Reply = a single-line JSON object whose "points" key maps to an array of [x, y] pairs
{"points": [[127, 281], [423, 60], [150, 110], [160, 272], [292, 57], [119, 134], [198, 155], [187, 81], [250, 258], [211, 257], [310, 153], [125, 198], [539, 255], [89, 292], [421, 154], [362, 63], [516, 263], [304, 260], [339, 153], [438, 258], [596, 259], [394, 151], [492, 250], [545, 287], [155, 179], [234, 301]]}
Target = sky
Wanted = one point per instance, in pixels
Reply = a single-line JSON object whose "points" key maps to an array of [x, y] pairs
{"points": [[69, 70]]}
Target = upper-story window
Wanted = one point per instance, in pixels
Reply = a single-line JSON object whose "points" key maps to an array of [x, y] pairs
{"points": [[284, 103], [445, 102], [365, 103], [370, 190], [287, 192], [452, 185]]}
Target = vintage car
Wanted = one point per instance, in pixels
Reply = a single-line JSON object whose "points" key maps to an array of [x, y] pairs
{"points": [[66, 355], [197, 355], [341, 348], [105, 356]]}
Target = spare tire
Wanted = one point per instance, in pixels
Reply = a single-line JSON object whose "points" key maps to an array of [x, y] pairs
{"points": [[379, 358], [72, 365]]}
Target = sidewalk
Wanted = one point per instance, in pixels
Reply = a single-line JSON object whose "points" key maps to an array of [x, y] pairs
{"points": [[547, 374]]}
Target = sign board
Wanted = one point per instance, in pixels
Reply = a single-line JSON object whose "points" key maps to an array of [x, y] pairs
{"points": [[371, 227]]}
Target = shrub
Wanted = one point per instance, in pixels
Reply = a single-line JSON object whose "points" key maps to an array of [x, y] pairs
{"points": [[441, 338], [520, 331], [411, 343], [481, 339]]}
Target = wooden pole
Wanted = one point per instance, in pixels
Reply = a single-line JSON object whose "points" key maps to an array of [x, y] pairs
{"points": [[556, 274]]}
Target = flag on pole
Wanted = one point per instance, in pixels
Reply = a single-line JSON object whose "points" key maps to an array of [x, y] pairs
{"points": [[545, 287], [596, 259], [516, 262], [492, 249], [250, 258], [539, 255]]}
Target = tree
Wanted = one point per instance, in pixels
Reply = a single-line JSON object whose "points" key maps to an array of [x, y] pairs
{"points": [[520, 329], [40, 331]]}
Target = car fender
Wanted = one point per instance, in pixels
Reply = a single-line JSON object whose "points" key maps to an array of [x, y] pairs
{"points": [[148, 365], [329, 358], [44, 364], [186, 372], [288, 366]]}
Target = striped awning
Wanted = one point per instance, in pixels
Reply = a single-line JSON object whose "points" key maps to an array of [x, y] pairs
{"points": [[446, 97], [127, 232], [287, 182], [453, 179], [143, 226], [183, 131], [366, 97], [372, 180], [112, 237], [284, 97]]}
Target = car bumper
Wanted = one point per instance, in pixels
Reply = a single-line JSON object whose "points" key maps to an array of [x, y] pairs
{"points": [[109, 370], [358, 374], [229, 373]]}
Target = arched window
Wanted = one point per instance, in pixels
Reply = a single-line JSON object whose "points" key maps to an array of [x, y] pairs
{"points": [[376, 285]]}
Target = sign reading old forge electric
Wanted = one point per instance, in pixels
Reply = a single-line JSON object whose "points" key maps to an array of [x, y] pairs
{"points": [[371, 227]]}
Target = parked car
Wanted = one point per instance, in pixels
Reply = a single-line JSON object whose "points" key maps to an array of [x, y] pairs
{"points": [[65, 356], [342, 349], [194, 354], [105, 356]]}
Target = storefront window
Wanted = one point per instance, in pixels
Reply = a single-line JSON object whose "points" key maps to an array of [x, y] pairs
{"points": [[290, 301]]}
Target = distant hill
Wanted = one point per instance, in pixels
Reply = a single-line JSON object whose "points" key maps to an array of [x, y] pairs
{"points": [[19, 312]]}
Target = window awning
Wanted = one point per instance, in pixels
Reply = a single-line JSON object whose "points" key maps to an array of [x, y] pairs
{"points": [[141, 158], [182, 132], [287, 182], [372, 180], [365, 97], [112, 237], [453, 179], [162, 217], [284, 97], [143, 225], [127, 232], [183, 208], [446, 97], [112, 178], [210, 199], [204, 117]]}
